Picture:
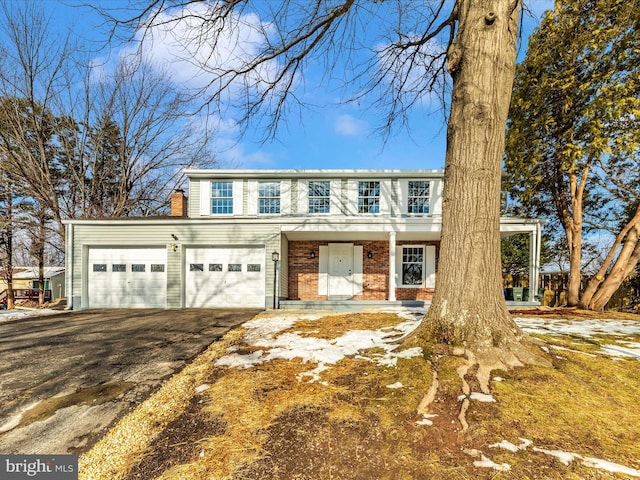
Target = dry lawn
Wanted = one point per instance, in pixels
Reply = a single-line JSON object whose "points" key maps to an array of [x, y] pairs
{"points": [[262, 423]]}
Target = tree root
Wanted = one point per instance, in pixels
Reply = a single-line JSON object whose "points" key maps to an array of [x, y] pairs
{"points": [[430, 395]]}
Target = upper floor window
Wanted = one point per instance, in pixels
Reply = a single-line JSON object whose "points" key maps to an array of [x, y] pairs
{"points": [[319, 196], [418, 198], [368, 197], [269, 197], [222, 198]]}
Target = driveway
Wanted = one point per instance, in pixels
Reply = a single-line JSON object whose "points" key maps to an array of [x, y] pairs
{"points": [[65, 378]]}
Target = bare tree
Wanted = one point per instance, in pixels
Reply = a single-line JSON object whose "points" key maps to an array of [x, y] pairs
{"points": [[473, 40], [89, 140]]}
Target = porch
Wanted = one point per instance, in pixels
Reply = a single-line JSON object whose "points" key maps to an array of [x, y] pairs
{"points": [[364, 305], [24, 294]]}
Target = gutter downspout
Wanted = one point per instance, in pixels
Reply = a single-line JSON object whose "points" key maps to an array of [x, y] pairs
{"points": [[68, 263]]}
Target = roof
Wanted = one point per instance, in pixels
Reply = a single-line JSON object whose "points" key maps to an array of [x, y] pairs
{"points": [[32, 272], [258, 173]]}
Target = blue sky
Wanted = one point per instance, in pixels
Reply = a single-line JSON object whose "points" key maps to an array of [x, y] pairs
{"points": [[327, 135]]}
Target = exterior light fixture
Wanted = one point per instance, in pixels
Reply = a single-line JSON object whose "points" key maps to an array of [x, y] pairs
{"points": [[370, 255], [312, 254]]}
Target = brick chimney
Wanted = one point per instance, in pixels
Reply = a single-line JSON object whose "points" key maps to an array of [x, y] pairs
{"points": [[178, 204]]}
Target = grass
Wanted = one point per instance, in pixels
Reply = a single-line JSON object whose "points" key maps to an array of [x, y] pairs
{"points": [[262, 423]]}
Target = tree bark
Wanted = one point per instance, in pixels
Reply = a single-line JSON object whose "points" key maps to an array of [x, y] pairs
{"points": [[468, 306]]}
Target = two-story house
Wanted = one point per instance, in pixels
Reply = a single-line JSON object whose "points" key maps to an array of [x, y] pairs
{"points": [[246, 238]]}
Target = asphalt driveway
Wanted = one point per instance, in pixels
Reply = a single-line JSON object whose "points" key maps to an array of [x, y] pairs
{"points": [[64, 379]]}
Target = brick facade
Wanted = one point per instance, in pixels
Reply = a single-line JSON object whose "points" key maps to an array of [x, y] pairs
{"points": [[303, 272]]}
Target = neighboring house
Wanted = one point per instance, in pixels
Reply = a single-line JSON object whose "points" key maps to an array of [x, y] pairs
{"points": [[244, 236], [26, 282]]}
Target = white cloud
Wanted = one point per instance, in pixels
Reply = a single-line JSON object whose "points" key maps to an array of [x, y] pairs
{"points": [[350, 126]]}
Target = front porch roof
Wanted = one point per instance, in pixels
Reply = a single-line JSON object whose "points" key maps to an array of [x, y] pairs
{"points": [[374, 228]]}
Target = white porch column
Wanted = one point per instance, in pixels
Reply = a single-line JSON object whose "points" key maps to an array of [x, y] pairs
{"points": [[392, 266], [534, 261]]}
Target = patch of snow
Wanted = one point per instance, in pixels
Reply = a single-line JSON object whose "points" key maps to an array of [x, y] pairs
{"points": [[236, 360], [609, 466], [426, 419], [506, 445], [7, 315], [480, 397], [568, 457], [485, 462], [498, 379], [564, 457], [631, 349], [314, 374], [202, 388], [395, 385], [263, 332], [583, 327]]}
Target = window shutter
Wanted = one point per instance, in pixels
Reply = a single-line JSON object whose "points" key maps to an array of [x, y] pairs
{"points": [[252, 197], [385, 196], [352, 197], [403, 196], [430, 266], [205, 197], [238, 194], [357, 269], [303, 197], [323, 270], [285, 197], [335, 201]]}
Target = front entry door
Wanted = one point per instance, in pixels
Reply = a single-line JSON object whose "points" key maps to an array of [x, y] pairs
{"points": [[340, 270]]}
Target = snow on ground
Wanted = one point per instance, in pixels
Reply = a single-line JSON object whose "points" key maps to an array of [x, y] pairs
{"points": [[265, 333], [7, 315], [562, 456], [615, 330]]}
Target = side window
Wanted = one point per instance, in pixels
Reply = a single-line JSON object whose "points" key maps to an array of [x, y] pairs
{"points": [[222, 198], [99, 267], [368, 197], [119, 267], [196, 267], [319, 196]]}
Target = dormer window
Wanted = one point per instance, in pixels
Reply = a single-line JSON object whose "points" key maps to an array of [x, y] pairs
{"points": [[269, 198], [419, 193], [368, 197]]}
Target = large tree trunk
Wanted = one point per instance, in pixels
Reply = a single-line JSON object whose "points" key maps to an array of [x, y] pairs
{"points": [[468, 307]]}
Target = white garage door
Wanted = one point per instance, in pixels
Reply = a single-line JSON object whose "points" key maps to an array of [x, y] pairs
{"points": [[127, 277], [224, 277]]}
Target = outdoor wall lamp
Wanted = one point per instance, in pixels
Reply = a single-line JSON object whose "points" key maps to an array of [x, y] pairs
{"points": [[275, 257], [173, 247], [370, 255], [312, 254]]}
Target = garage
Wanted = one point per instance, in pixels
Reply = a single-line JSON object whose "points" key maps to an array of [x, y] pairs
{"points": [[225, 277], [127, 278]]}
